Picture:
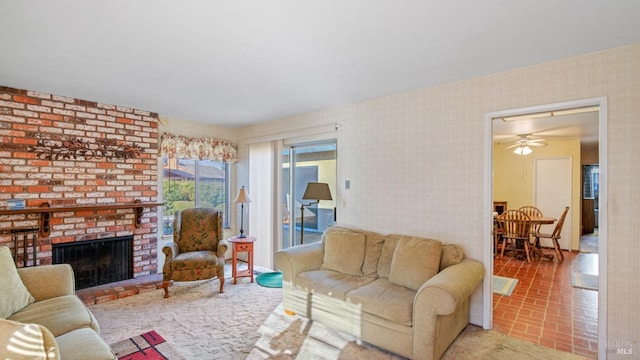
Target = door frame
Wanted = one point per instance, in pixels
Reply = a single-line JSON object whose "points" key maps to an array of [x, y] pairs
{"points": [[487, 296], [292, 144]]}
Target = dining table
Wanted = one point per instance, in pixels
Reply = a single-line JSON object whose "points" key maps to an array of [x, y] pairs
{"points": [[542, 220]]}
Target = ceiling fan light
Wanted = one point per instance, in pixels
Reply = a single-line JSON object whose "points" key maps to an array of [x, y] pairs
{"points": [[522, 150]]}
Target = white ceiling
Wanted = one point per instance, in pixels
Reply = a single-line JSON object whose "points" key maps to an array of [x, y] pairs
{"points": [[234, 63]]}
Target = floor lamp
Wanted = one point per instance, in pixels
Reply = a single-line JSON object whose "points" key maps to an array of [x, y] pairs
{"points": [[314, 191], [243, 197]]}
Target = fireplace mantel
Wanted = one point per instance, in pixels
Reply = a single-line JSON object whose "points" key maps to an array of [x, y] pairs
{"points": [[46, 209]]}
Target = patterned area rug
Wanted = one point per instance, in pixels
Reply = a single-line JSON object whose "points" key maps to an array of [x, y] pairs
{"points": [[503, 285], [147, 346]]}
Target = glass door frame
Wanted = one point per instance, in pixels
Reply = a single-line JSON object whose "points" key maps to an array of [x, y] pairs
{"points": [[289, 208]]}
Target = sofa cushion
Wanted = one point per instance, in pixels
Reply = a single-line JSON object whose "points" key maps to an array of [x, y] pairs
{"points": [[82, 344], [373, 247], [415, 261], [14, 295], [389, 248], [451, 254], [60, 315], [26, 341], [344, 252], [386, 300], [329, 282]]}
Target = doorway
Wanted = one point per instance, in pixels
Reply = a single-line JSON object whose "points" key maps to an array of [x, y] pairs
{"points": [[305, 220], [536, 113]]}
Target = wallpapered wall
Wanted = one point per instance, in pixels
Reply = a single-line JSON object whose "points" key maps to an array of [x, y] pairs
{"points": [[416, 161]]}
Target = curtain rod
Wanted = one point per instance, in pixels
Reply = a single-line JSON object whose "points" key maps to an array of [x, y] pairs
{"points": [[315, 130]]}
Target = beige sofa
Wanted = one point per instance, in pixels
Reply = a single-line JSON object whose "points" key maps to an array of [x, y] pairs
{"points": [[42, 318], [405, 294]]}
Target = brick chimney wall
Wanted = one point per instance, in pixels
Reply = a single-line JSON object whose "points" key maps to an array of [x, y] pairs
{"points": [[29, 116]]}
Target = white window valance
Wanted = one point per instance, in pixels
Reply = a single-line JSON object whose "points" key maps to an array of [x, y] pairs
{"points": [[176, 146]]}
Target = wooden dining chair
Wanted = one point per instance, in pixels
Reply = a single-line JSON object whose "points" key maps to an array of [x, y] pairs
{"points": [[533, 212], [555, 235], [516, 228]]}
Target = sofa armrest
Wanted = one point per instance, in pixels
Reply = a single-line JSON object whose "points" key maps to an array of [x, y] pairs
{"points": [[445, 295], [48, 281], [298, 259], [442, 294]]}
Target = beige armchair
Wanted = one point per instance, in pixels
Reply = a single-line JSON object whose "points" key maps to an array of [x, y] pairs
{"points": [[198, 250]]}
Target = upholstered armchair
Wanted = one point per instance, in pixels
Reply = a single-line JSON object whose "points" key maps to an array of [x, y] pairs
{"points": [[198, 250]]}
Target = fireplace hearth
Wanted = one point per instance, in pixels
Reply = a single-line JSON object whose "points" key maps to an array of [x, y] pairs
{"points": [[97, 262]]}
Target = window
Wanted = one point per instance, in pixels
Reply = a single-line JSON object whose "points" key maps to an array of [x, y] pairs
{"points": [[189, 183]]}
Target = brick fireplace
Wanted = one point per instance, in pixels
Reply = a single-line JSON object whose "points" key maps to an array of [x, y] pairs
{"points": [[31, 120]]}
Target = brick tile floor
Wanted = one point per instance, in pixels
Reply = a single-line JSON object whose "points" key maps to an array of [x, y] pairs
{"points": [[545, 308]]}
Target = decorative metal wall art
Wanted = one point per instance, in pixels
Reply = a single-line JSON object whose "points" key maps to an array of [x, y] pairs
{"points": [[75, 148]]}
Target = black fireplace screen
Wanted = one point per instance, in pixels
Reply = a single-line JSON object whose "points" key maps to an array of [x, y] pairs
{"points": [[97, 262]]}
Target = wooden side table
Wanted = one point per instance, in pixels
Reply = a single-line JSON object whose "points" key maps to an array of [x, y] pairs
{"points": [[239, 245]]}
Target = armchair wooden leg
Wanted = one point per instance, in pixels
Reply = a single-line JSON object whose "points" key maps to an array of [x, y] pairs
{"points": [[165, 286], [221, 285]]}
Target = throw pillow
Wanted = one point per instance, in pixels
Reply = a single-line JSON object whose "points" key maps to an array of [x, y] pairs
{"points": [[344, 252], [451, 254], [14, 295], [415, 261]]}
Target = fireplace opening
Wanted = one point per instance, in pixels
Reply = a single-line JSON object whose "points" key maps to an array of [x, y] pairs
{"points": [[97, 262]]}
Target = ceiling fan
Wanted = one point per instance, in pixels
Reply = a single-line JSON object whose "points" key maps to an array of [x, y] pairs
{"points": [[522, 145]]}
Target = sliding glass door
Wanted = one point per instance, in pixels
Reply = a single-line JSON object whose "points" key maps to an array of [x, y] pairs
{"points": [[304, 221]]}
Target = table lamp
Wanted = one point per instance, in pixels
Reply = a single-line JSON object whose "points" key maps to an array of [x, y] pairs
{"points": [[243, 197]]}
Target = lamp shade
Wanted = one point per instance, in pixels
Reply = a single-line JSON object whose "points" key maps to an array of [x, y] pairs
{"points": [[243, 196], [317, 191]]}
